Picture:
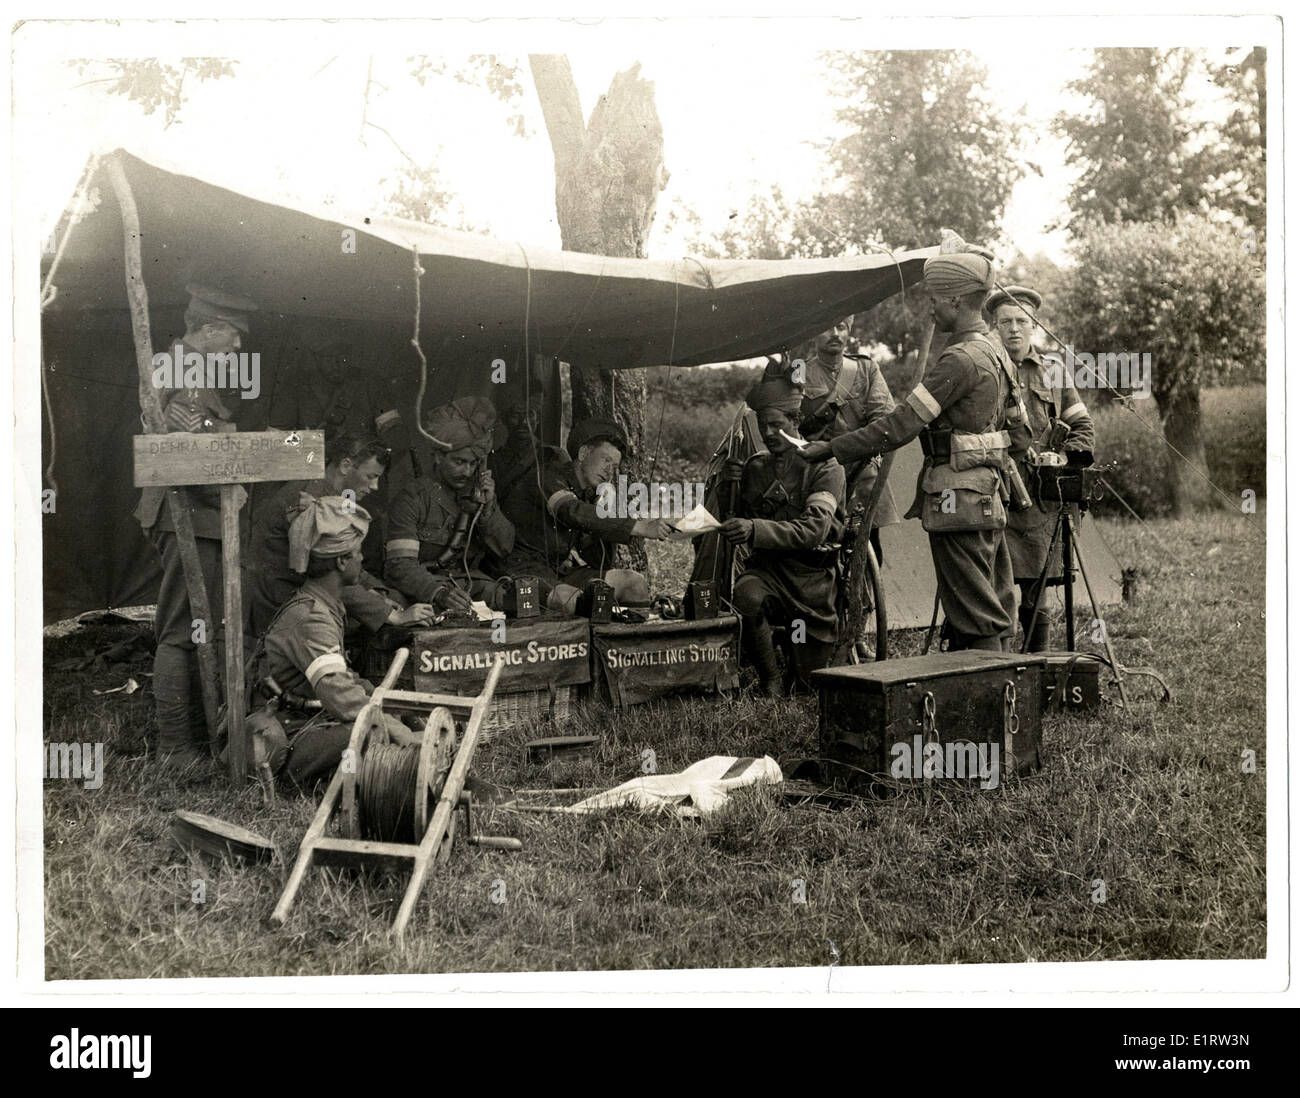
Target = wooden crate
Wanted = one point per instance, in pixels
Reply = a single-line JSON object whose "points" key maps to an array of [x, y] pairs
{"points": [[873, 715], [1071, 680]]}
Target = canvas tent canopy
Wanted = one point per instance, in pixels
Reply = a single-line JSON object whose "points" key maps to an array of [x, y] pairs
{"points": [[317, 274]]}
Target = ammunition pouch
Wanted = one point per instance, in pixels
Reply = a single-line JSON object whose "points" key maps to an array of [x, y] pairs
{"points": [[965, 450], [958, 501], [936, 444], [973, 451], [812, 425]]}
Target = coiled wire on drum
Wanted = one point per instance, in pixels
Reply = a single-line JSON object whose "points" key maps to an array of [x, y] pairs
{"points": [[386, 792]]}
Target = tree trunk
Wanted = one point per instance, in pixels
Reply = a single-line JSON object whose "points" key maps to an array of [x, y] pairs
{"points": [[1188, 487], [608, 175]]}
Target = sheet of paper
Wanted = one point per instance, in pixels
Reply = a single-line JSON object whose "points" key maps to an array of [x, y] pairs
{"points": [[797, 443], [484, 612], [698, 520]]}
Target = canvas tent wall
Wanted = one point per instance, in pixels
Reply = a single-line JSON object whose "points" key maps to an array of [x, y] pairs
{"points": [[316, 269]]}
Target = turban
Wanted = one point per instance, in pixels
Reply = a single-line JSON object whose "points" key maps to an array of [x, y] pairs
{"points": [[331, 526], [1023, 294], [775, 392], [465, 423], [955, 275], [591, 431], [207, 304]]}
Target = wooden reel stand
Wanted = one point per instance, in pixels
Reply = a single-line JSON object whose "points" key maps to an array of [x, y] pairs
{"points": [[442, 772]]}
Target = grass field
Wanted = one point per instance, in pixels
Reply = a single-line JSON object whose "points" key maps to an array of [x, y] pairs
{"points": [[1153, 803]]}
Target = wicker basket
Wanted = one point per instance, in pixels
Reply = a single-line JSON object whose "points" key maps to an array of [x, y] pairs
{"points": [[509, 710]]}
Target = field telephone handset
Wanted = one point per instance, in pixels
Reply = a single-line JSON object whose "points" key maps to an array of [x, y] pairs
{"points": [[465, 521]]}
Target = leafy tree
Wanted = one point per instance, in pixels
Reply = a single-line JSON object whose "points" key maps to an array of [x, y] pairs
{"points": [[153, 84], [1135, 141], [764, 230], [609, 170], [1243, 147], [925, 149], [1192, 296]]}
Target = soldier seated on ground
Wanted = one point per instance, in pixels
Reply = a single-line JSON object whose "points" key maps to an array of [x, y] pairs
{"points": [[788, 513], [443, 524], [353, 466], [304, 646], [560, 535]]}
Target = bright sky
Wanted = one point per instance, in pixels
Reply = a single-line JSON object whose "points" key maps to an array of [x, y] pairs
{"points": [[742, 104]]}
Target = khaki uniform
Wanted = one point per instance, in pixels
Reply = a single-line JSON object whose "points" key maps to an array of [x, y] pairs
{"points": [[177, 694], [839, 401], [1029, 532], [966, 392], [272, 581], [513, 467], [796, 507], [359, 404], [559, 534], [304, 654], [422, 524]]}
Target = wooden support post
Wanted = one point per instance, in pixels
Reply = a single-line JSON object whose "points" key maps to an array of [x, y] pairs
{"points": [[151, 412], [227, 459], [237, 747], [209, 671]]}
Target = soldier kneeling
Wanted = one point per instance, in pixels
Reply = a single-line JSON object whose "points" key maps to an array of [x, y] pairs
{"points": [[788, 512]]}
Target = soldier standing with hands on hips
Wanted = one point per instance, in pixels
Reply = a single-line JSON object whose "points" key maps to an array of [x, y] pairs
{"points": [[968, 413]]}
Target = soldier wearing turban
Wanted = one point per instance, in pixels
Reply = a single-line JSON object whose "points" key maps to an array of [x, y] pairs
{"points": [[966, 403], [441, 525], [215, 322], [563, 537], [1049, 400], [304, 652], [787, 512]]}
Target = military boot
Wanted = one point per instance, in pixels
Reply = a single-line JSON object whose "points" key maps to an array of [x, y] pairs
{"points": [[1039, 637], [761, 652]]}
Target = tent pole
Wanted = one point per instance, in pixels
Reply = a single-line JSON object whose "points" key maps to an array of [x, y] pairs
{"points": [[151, 413]]}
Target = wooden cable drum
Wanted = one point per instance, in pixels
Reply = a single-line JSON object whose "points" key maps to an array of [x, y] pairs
{"points": [[397, 785]]}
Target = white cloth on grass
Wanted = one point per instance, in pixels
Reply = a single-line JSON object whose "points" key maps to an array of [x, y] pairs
{"points": [[704, 785]]}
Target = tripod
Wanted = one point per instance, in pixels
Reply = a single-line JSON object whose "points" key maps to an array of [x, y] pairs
{"points": [[1063, 532]]}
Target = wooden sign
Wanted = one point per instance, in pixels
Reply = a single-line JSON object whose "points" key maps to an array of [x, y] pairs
{"points": [[232, 457], [638, 663], [538, 653]]}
